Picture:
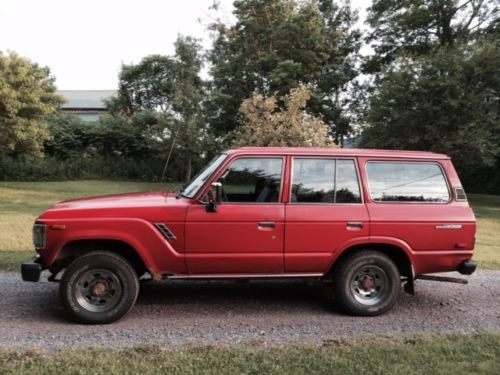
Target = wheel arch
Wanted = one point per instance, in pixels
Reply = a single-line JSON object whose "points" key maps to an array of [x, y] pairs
{"points": [[396, 253], [76, 248]]}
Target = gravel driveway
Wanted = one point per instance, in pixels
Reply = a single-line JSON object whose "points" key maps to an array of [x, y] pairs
{"points": [[268, 312]]}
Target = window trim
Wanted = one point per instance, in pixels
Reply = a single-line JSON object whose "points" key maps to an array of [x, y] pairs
{"points": [[360, 187], [283, 166], [443, 173]]}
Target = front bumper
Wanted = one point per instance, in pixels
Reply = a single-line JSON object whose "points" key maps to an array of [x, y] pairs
{"points": [[31, 271], [467, 268]]}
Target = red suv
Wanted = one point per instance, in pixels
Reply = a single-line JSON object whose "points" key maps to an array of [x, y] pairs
{"points": [[366, 220]]}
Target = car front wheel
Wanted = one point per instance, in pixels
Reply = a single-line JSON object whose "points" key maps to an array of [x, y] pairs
{"points": [[366, 283], [99, 287]]}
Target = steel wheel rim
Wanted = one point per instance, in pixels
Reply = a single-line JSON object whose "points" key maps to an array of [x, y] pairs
{"points": [[369, 285], [98, 290]]}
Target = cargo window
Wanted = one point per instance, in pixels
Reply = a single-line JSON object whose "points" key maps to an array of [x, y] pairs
{"points": [[252, 180], [407, 182], [324, 181]]}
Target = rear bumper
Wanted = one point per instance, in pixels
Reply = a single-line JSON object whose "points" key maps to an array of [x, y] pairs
{"points": [[467, 268], [31, 271]]}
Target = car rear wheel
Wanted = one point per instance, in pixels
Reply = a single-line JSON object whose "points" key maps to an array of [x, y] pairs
{"points": [[99, 287], [366, 283]]}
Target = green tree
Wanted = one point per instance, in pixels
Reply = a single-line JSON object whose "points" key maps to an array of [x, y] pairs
{"points": [[27, 95], [267, 126], [276, 44], [147, 86], [70, 136], [448, 102], [170, 89], [436, 81], [188, 95], [418, 27]]}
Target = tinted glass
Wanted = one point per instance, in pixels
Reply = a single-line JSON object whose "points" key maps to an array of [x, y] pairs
{"points": [[252, 180], [315, 181], [406, 182], [347, 184], [197, 182]]}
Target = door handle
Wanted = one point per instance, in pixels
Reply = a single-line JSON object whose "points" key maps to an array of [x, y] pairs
{"points": [[267, 224], [354, 224]]}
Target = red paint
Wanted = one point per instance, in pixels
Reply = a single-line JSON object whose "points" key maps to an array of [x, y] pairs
{"points": [[305, 238]]}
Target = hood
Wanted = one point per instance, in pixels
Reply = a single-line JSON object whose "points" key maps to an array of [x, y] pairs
{"points": [[149, 199], [146, 205]]}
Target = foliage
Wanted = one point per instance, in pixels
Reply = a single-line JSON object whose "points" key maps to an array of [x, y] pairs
{"points": [[436, 82], [190, 134], [451, 354], [27, 94], [420, 27], [447, 102], [276, 44], [147, 86], [265, 125], [170, 90], [98, 167], [70, 136]]}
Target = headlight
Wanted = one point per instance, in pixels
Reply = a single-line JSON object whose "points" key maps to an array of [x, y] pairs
{"points": [[39, 236]]}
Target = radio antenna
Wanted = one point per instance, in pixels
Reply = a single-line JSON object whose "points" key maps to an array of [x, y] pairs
{"points": [[174, 138]]}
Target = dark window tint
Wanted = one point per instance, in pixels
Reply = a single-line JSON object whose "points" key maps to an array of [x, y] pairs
{"points": [[252, 180], [316, 181], [313, 180], [347, 184], [406, 182]]}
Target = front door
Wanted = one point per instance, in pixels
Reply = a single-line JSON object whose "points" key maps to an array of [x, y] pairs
{"points": [[246, 234]]}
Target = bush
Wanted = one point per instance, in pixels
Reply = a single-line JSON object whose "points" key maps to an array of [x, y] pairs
{"points": [[51, 169]]}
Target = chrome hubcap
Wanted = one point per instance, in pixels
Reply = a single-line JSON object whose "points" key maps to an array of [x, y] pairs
{"points": [[369, 285], [98, 290]]}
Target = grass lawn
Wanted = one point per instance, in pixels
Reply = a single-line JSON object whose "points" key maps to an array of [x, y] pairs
{"points": [[22, 202], [475, 354], [487, 210]]}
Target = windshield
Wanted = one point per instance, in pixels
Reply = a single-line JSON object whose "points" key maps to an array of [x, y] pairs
{"points": [[195, 185]]}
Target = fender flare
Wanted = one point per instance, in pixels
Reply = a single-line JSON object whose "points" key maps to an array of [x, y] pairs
{"points": [[95, 229]]}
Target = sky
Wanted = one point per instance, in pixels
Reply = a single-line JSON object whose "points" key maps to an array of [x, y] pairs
{"points": [[84, 43]]}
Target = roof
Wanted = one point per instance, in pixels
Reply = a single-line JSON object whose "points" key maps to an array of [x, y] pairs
{"points": [[333, 151], [88, 99]]}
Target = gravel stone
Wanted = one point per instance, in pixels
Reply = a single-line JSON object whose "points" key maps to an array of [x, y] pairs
{"points": [[174, 313]]}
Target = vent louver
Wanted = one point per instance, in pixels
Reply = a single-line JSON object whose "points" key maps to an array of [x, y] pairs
{"points": [[460, 194], [167, 233]]}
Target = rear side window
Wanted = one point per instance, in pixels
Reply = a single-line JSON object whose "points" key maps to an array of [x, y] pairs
{"points": [[316, 180], [407, 182]]}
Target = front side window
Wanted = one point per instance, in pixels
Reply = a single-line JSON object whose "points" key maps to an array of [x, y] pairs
{"points": [[192, 188], [325, 181], [252, 180], [406, 182]]}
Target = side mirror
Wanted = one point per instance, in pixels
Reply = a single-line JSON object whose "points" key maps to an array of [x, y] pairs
{"points": [[214, 197]]}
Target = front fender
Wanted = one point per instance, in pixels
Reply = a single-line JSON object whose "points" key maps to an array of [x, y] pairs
{"points": [[156, 252]]}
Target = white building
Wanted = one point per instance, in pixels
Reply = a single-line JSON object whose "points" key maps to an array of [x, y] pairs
{"points": [[86, 104]]}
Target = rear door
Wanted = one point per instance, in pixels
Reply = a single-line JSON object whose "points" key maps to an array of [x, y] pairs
{"points": [[324, 213]]}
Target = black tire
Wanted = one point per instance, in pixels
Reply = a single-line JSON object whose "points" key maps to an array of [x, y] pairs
{"points": [[366, 283], [99, 287]]}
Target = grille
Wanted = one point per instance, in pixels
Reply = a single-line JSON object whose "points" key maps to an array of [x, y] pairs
{"points": [[165, 231]]}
